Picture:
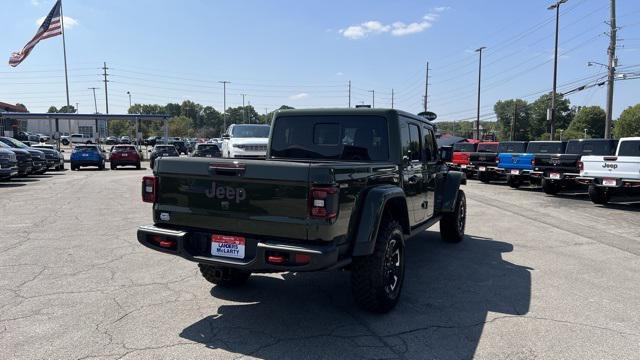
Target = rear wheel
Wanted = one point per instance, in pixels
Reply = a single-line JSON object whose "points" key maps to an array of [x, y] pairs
{"points": [[113, 166], [376, 280], [550, 187], [101, 166], [452, 225], [598, 195], [138, 166], [224, 276], [483, 177], [513, 181]]}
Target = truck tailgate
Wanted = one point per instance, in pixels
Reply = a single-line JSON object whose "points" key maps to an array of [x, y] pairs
{"points": [[621, 167], [237, 197]]}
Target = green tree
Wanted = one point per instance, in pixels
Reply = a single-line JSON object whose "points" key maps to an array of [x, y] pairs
{"points": [[629, 122], [52, 109], [121, 127], [505, 112], [591, 118], [67, 109], [181, 126], [539, 126], [172, 109]]}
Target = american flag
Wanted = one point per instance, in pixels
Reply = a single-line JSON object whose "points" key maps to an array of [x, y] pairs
{"points": [[52, 26]]}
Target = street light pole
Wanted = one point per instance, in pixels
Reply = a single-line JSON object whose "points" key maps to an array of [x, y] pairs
{"points": [[479, 51], [244, 109], [552, 120], [129, 93], [373, 98]]}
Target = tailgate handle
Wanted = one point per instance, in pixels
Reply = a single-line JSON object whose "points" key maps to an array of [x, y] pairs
{"points": [[233, 168], [610, 158]]}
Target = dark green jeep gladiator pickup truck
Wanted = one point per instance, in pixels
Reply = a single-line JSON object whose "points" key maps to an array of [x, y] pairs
{"points": [[340, 189]]}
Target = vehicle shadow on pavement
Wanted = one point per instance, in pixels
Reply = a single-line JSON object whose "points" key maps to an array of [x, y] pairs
{"points": [[448, 295], [10, 184]]}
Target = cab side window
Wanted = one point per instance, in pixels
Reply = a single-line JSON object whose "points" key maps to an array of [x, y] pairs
{"points": [[411, 142], [430, 147]]}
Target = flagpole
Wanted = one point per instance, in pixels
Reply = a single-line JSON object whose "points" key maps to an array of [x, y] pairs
{"points": [[66, 77], [64, 51]]}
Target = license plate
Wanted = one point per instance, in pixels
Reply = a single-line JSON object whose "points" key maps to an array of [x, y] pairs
{"points": [[208, 156], [554, 176], [482, 168], [463, 166], [227, 246], [515, 172], [609, 182], [125, 155], [85, 154]]}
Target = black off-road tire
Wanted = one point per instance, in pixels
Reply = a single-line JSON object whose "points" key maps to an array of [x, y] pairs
{"points": [[597, 195], [223, 276], [483, 177], [549, 187], [376, 280], [513, 182], [452, 225]]}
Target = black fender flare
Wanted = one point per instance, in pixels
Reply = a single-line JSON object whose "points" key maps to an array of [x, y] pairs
{"points": [[372, 210], [449, 190]]}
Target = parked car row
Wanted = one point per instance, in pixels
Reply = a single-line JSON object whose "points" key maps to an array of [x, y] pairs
{"points": [[607, 167], [94, 156], [20, 159]]}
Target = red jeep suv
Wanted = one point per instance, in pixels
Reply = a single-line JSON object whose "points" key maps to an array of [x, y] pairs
{"points": [[122, 155]]}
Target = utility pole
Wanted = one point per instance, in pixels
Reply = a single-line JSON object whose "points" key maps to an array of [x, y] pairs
{"points": [[552, 120], [77, 108], [392, 94], [249, 115], [244, 110], [479, 50], [95, 102], [513, 120], [612, 70], [349, 93], [426, 88], [224, 103], [106, 91], [373, 98]]}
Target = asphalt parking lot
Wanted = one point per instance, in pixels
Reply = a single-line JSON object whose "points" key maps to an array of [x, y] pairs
{"points": [[536, 277]]}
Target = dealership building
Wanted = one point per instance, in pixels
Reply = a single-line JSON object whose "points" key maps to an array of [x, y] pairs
{"points": [[89, 128]]}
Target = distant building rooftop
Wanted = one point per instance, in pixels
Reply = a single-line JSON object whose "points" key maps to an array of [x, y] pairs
{"points": [[4, 107]]}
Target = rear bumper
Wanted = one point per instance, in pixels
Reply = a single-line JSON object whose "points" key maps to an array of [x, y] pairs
{"points": [[86, 162], [196, 246], [620, 183], [119, 162]]}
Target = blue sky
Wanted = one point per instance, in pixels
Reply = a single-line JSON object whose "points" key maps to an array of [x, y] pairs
{"points": [[303, 53]]}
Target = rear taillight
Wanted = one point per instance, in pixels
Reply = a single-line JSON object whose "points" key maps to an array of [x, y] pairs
{"points": [[533, 162], [497, 159], [580, 165], [323, 202], [149, 189]]}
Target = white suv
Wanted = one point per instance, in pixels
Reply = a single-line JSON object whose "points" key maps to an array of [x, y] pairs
{"points": [[246, 141], [77, 139]]}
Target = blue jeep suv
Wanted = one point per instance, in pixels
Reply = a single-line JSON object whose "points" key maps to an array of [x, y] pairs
{"points": [[87, 155]]}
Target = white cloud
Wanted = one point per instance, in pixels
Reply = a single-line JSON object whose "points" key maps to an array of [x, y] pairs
{"points": [[298, 96], [398, 28], [442, 8], [35, 2], [69, 22], [339, 73]]}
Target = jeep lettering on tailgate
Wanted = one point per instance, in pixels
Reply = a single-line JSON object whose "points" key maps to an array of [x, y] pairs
{"points": [[226, 192]]}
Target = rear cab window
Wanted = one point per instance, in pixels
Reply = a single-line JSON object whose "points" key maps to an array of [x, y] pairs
{"points": [[587, 147], [629, 148], [512, 147], [123, 148], [487, 148], [464, 147], [330, 137], [550, 147]]}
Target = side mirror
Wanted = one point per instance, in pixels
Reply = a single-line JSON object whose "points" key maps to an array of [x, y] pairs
{"points": [[226, 136], [446, 153]]}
